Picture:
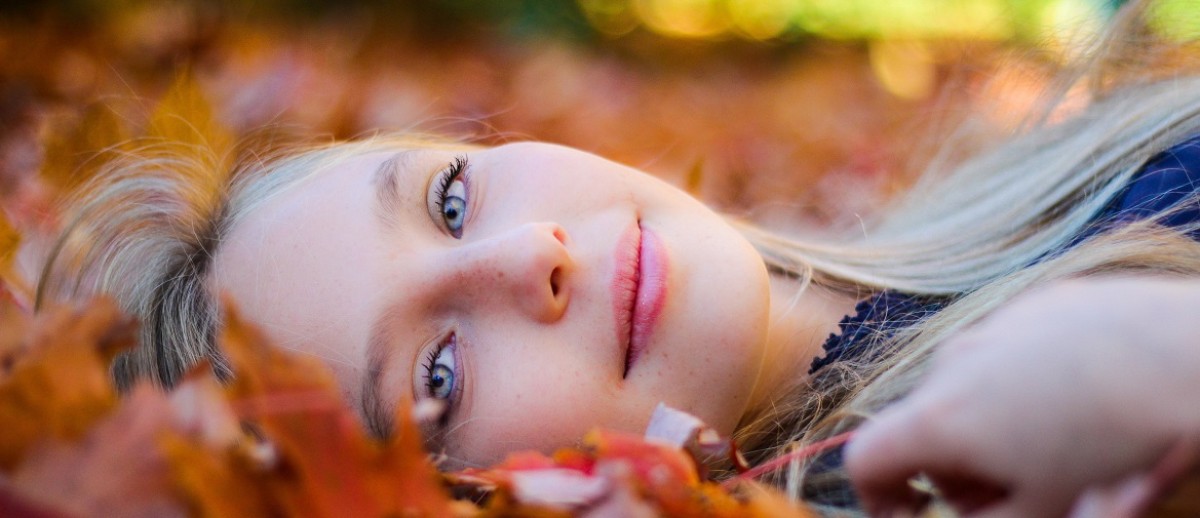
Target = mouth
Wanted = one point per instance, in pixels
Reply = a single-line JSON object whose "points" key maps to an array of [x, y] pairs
{"points": [[639, 291]]}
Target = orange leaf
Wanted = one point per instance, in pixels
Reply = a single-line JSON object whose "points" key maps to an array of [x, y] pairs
{"points": [[11, 282], [326, 465], [15, 324], [184, 116], [215, 482], [76, 147], [61, 387]]}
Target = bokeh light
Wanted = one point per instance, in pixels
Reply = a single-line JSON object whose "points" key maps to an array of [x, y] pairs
{"points": [[786, 110], [764, 19], [684, 18], [904, 67], [1176, 19], [852, 19]]}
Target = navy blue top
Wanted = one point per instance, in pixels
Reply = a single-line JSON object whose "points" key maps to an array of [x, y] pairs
{"points": [[1168, 179]]}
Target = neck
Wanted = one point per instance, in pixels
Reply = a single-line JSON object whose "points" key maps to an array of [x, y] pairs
{"points": [[800, 323]]}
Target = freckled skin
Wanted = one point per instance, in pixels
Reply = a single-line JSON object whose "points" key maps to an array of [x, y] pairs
{"points": [[539, 367]]}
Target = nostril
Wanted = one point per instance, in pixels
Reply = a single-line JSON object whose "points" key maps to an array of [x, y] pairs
{"points": [[554, 279]]}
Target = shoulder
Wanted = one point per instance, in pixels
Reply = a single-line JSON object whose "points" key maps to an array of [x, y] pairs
{"points": [[1168, 179]]}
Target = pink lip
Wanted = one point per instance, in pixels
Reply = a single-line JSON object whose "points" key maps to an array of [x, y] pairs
{"points": [[639, 291]]}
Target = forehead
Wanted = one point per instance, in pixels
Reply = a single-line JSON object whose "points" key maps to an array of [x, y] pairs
{"points": [[304, 265]]}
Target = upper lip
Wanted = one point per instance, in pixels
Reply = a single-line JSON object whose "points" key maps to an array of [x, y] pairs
{"points": [[625, 287]]}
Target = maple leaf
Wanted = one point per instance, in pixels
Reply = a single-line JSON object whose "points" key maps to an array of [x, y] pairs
{"points": [[60, 387]]}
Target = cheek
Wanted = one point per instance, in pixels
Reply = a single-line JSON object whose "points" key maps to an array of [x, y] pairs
{"points": [[534, 409]]}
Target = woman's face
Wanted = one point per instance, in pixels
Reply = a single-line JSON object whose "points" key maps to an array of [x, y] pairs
{"points": [[536, 290]]}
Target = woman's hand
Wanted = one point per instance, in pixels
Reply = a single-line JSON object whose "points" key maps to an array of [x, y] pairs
{"points": [[1082, 387]]}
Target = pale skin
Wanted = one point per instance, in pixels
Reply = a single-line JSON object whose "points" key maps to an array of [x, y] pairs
{"points": [[1077, 398], [509, 297]]}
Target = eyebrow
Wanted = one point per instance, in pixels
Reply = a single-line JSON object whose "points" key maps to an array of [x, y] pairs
{"points": [[378, 416], [380, 423], [386, 181]]}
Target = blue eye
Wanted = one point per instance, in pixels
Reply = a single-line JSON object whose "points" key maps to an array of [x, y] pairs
{"points": [[454, 207], [451, 196], [440, 376]]}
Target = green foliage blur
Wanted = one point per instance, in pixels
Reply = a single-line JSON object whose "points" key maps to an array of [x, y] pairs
{"points": [[781, 20]]}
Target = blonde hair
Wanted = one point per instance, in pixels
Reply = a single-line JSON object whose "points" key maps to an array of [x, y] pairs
{"points": [[147, 230]]}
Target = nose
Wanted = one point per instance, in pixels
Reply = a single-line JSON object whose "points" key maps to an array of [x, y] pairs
{"points": [[526, 267]]}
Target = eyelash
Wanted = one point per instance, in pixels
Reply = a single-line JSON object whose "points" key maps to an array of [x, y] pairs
{"points": [[448, 176]]}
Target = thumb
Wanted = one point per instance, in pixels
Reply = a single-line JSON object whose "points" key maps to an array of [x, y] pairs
{"points": [[898, 445], [903, 443]]}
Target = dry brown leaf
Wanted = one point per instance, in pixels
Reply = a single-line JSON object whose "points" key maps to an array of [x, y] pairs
{"points": [[14, 325], [11, 283], [10, 240], [61, 387]]}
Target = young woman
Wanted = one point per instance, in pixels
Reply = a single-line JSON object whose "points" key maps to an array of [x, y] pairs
{"points": [[533, 291]]}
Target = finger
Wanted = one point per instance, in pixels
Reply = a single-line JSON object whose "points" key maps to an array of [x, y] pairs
{"points": [[901, 443]]}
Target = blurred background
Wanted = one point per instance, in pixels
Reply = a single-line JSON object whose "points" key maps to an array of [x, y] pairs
{"points": [[792, 112]]}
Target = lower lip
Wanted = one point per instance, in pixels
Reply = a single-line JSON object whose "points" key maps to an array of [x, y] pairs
{"points": [[651, 294]]}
